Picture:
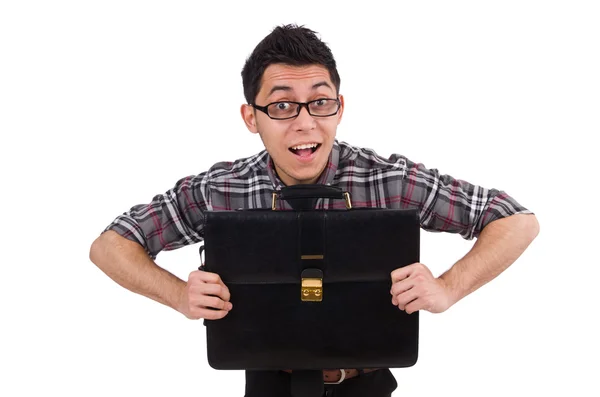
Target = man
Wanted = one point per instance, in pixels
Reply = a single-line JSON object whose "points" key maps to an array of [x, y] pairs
{"points": [[291, 85]]}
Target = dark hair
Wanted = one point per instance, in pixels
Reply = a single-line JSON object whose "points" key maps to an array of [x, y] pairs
{"points": [[291, 45]]}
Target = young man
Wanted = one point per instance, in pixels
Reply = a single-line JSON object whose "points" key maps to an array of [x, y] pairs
{"points": [[292, 88]]}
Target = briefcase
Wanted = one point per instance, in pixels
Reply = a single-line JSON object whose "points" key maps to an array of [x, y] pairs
{"points": [[311, 289]]}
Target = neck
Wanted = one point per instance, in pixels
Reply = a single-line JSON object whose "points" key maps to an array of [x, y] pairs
{"points": [[290, 181]]}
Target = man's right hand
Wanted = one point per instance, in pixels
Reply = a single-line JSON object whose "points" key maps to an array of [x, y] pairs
{"points": [[205, 296]]}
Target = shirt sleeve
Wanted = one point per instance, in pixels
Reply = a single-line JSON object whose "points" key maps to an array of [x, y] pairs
{"points": [[452, 205], [170, 221]]}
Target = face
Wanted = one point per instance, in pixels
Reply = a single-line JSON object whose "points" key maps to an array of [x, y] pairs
{"points": [[282, 137]]}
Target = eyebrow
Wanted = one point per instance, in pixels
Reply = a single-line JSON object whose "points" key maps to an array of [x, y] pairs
{"points": [[288, 88]]}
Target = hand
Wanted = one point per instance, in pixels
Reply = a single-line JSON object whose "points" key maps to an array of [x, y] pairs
{"points": [[205, 296], [414, 288]]}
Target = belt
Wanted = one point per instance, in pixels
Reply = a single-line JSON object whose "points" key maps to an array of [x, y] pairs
{"points": [[337, 376]]}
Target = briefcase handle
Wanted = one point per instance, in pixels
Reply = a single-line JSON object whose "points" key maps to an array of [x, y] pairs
{"points": [[311, 191]]}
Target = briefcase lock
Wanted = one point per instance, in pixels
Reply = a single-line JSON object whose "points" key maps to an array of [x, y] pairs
{"points": [[312, 290]]}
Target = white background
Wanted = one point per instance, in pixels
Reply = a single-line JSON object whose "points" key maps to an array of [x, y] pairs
{"points": [[105, 104]]}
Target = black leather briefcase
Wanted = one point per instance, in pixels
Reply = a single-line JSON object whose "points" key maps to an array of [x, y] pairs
{"points": [[311, 289]]}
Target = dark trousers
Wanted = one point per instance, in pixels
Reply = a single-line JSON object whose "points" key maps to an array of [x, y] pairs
{"points": [[380, 383]]}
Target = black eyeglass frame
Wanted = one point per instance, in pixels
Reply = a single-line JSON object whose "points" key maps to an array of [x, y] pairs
{"points": [[265, 109]]}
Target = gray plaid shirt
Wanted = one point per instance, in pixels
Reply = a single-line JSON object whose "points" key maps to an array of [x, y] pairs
{"points": [[445, 204]]}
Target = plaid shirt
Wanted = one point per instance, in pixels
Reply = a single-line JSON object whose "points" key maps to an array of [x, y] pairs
{"points": [[445, 204]]}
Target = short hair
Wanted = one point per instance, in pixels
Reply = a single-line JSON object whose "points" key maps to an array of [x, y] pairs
{"points": [[291, 45]]}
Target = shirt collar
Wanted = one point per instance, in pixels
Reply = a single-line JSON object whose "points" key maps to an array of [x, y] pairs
{"points": [[326, 177]]}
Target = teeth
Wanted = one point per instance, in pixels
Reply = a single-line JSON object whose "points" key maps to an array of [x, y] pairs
{"points": [[306, 146]]}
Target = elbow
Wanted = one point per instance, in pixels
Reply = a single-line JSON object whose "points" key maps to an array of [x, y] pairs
{"points": [[523, 227], [96, 249], [99, 247], [529, 226], [534, 227], [537, 226], [110, 245]]}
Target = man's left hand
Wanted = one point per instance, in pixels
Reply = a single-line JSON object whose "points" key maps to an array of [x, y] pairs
{"points": [[415, 288]]}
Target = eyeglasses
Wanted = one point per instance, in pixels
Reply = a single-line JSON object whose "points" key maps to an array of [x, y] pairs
{"points": [[284, 110]]}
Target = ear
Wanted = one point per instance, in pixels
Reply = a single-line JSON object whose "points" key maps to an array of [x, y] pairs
{"points": [[341, 111], [249, 117]]}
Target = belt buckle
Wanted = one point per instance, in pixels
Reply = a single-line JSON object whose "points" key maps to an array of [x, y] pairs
{"points": [[343, 372]]}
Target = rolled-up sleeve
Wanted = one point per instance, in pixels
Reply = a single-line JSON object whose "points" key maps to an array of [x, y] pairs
{"points": [[170, 221], [451, 205]]}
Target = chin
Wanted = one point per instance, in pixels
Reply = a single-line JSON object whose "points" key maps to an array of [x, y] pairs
{"points": [[307, 181], [305, 178]]}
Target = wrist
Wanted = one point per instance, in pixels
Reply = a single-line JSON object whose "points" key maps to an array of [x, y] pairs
{"points": [[180, 300], [453, 291]]}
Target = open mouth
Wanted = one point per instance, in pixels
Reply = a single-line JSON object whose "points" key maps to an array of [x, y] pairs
{"points": [[305, 150]]}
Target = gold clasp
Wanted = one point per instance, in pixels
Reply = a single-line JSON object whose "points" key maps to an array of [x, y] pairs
{"points": [[348, 201], [312, 290]]}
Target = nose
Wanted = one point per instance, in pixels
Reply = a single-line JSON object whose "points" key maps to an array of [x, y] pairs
{"points": [[304, 121]]}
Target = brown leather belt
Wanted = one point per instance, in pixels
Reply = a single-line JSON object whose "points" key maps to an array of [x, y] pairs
{"points": [[337, 376]]}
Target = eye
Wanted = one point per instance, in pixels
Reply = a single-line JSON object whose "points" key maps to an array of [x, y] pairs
{"points": [[320, 102], [282, 106]]}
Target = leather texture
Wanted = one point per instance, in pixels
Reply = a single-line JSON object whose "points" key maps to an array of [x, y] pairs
{"points": [[259, 256], [310, 191]]}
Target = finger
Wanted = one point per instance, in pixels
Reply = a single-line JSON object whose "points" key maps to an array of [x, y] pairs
{"points": [[218, 290], [196, 275], [215, 314], [400, 274], [414, 306], [208, 277], [394, 301], [209, 314], [402, 286], [403, 272], [407, 297], [210, 302]]}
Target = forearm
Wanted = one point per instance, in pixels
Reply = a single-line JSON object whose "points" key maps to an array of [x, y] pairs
{"points": [[499, 245], [128, 264]]}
